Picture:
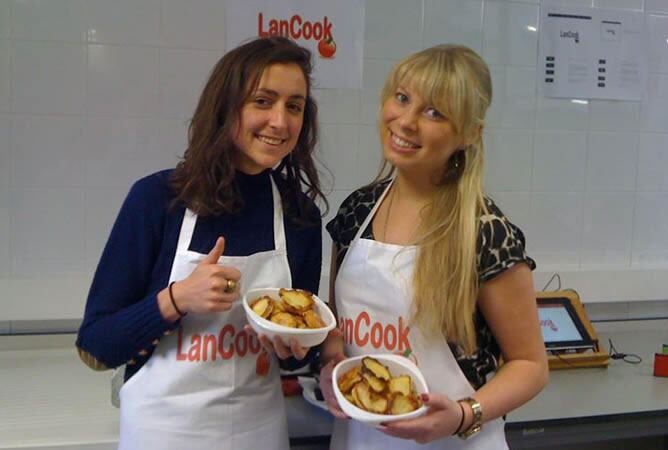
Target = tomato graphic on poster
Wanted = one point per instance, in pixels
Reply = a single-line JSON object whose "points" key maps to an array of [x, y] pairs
{"points": [[327, 47]]}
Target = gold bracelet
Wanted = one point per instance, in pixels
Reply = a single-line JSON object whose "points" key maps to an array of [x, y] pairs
{"points": [[476, 425]]}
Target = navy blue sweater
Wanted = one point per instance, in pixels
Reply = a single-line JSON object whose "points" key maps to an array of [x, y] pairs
{"points": [[122, 322]]}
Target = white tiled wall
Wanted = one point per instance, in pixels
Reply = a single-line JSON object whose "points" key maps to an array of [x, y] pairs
{"points": [[94, 94]]}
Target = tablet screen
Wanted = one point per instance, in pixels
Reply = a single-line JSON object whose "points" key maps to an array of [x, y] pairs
{"points": [[561, 327], [557, 325]]}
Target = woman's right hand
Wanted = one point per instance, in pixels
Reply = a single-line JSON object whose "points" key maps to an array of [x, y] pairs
{"points": [[331, 353], [205, 290]]}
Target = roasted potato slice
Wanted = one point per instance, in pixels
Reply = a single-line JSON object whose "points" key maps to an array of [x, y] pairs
{"points": [[376, 368], [300, 322], [296, 300], [371, 401], [263, 306], [285, 319], [402, 404], [279, 306], [401, 385], [312, 319], [349, 379], [376, 384]]}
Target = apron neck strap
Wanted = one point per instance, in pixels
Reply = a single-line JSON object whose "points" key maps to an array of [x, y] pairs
{"points": [[369, 217], [190, 220]]}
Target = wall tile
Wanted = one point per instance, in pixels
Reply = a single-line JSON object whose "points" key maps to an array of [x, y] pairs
{"points": [[650, 240], [193, 24], [654, 115], [559, 161], [657, 31], [338, 105], [582, 3], [101, 207], [369, 156], [47, 226], [453, 21], [401, 37], [509, 33], [611, 162], [561, 114], [646, 310], [171, 142], [118, 149], [5, 21], [4, 77], [338, 151], [514, 97], [49, 20], [608, 226], [555, 228], [653, 162], [5, 236], [5, 151], [124, 22], [612, 115], [619, 4], [182, 75], [48, 78], [509, 157], [122, 80], [375, 73], [607, 311], [516, 206], [47, 151], [657, 6]]}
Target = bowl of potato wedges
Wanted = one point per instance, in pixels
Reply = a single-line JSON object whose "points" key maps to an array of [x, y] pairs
{"points": [[379, 388], [288, 313]]}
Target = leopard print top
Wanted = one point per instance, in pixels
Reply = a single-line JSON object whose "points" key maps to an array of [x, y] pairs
{"points": [[500, 245]]}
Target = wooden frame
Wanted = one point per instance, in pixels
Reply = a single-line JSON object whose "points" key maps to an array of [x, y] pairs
{"points": [[597, 357]]}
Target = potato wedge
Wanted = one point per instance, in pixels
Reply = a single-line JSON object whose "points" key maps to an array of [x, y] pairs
{"points": [[376, 368], [296, 300], [349, 379], [376, 384], [371, 401], [312, 319], [401, 385], [285, 319], [402, 404], [263, 306]]}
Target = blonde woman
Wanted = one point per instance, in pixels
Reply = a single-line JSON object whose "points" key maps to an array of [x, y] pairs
{"points": [[425, 265]]}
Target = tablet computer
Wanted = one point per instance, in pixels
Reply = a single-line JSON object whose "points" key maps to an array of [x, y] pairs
{"points": [[561, 326]]}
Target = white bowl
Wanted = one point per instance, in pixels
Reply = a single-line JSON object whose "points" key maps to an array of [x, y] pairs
{"points": [[307, 337], [398, 365]]}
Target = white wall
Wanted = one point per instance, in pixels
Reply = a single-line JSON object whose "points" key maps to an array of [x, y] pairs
{"points": [[96, 93]]}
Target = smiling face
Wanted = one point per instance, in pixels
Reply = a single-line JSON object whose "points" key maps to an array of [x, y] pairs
{"points": [[271, 119], [416, 137]]}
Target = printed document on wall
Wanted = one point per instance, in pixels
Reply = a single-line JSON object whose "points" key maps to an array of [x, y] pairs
{"points": [[591, 53], [333, 31]]}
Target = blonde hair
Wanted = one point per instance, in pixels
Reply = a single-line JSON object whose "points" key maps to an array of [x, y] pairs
{"points": [[456, 81]]}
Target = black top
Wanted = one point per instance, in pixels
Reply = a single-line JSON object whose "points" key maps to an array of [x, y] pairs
{"points": [[500, 245]]}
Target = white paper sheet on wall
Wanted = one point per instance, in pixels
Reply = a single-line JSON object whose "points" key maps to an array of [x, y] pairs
{"points": [[592, 53], [333, 31]]}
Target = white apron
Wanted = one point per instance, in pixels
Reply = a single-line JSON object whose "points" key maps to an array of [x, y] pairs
{"points": [[373, 299], [199, 390]]}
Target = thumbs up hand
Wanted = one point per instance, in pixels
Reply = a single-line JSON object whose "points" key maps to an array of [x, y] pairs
{"points": [[210, 287]]}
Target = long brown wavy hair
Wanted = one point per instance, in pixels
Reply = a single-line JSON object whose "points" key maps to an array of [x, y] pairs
{"points": [[204, 178]]}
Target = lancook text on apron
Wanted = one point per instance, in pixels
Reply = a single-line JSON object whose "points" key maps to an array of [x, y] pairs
{"points": [[373, 298], [205, 387]]}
